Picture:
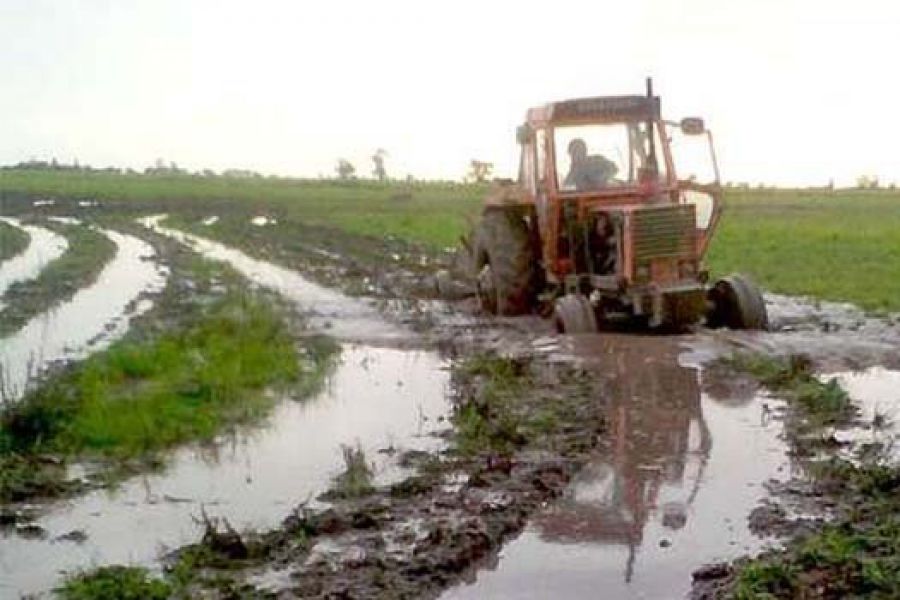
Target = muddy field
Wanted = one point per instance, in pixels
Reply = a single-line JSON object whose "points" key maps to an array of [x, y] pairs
{"points": [[441, 453]]}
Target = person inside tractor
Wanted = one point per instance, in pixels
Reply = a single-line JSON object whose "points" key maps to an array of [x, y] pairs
{"points": [[588, 172]]}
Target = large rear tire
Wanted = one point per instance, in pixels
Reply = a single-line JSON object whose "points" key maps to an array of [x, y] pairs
{"points": [[504, 263], [737, 304], [574, 314]]}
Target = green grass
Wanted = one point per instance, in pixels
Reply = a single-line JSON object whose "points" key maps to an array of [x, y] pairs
{"points": [[80, 264], [137, 398], [792, 378], [12, 241], [114, 583], [435, 213], [144, 395], [842, 245]]}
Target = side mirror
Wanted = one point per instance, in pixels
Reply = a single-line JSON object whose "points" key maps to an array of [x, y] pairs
{"points": [[524, 133], [693, 126]]}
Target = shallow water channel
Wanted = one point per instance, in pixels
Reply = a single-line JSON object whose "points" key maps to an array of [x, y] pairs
{"points": [[340, 316], [671, 491], [93, 317], [377, 398], [43, 246]]}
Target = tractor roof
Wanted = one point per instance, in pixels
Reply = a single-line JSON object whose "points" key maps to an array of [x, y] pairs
{"points": [[601, 109]]}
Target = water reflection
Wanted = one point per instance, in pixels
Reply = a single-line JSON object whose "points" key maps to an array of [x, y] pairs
{"points": [[659, 445], [671, 488]]}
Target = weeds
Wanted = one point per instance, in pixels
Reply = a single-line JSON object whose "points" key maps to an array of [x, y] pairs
{"points": [[114, 583], [824, 403], [356, 479]]}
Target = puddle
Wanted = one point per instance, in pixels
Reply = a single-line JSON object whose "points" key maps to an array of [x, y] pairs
{"points": [[262, 221], [377, 397], [672, 490], [43, 247], [876, 393], [93, 317], [345, 318]]}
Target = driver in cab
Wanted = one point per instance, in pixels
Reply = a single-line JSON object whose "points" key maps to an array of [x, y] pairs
{"points": [[588, 172]]}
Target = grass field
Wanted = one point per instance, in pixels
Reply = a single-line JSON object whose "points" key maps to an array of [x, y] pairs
{"points": [[842, 245]]}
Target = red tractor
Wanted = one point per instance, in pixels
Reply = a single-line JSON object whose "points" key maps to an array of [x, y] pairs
{"points": [[601, 228]]}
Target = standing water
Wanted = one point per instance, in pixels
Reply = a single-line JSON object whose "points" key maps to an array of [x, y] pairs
{"points": [[381, 399], [385, 400], [343, 317], [94, 316], [672, 490], [43, 247]]}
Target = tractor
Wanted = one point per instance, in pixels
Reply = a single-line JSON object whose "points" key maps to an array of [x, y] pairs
{"points": [[601, 228]]}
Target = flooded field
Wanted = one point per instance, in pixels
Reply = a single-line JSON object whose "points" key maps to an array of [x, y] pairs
{"points": [[93, 317], [43, 247], [387, 401], [683, 461], [341, 316]]}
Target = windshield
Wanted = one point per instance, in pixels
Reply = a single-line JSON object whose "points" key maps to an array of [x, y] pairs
{"points": [[595, 157]]}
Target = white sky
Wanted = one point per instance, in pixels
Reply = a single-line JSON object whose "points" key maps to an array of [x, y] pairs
{"points": [[796, 92]]}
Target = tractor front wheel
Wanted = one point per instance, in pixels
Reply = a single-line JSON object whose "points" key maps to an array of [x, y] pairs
{"points": [[504, 263], [573, 313], [736, 303]]}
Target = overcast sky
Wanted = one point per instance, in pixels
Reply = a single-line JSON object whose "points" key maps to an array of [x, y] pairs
{"points": [[796, 92]]}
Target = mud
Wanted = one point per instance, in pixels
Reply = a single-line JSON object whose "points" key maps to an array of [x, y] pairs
{"points": [[94, 316], [44, 246], [414, 538], [836, 336], [388, 401]]}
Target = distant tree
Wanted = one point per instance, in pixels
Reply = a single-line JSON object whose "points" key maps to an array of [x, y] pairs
{"points": [[479, 170], [379, 171], [345, 169], [867, 182]]}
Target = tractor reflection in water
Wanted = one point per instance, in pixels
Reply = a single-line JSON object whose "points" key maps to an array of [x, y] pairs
{"points": [[659, 444]]}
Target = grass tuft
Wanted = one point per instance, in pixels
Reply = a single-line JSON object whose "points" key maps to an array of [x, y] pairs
{"points": [[114, 583]]}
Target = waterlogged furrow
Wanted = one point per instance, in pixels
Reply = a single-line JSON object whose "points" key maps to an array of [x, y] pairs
{"points": [[344, 317], [376, 398], [90, 320], [44, 247]]}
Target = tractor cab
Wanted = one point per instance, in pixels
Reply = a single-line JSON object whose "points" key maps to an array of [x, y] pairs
{"points": [[614, 228]]}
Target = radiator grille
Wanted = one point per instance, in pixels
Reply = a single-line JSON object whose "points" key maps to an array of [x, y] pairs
{"points": [[664, 232]]}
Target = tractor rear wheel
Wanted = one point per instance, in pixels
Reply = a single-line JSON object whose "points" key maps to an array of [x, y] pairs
{"points": [[504, 263], [573, 313], [737, 304]]}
